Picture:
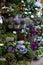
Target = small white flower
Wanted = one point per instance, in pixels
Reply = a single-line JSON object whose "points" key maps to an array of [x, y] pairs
{"points": [[39, 14], [20, 42], [7, 10], [1, 21], [22, 46], [39, 38], [22, 1], [29, 12], [12, 9], [34, 39], [36, 8], [23, 31], [41, 25], [14, 32], [1, 44], [4, 7], [37, 27], [32, 16], [25, 12], [26, 9], [42, 40], [42, 34]]}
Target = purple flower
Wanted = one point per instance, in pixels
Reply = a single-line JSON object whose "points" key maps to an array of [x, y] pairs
{"points": [[34, 32], [10, 18], [34, 45], [10, 49], [24, 19], [18, 20], [30, 26]]}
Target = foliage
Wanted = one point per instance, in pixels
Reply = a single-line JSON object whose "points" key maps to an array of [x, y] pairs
{"points": [[30, 54], [10, 57], [3, 63]]}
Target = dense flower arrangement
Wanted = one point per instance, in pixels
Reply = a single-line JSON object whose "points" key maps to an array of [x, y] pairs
{"points": [[21, 33]]}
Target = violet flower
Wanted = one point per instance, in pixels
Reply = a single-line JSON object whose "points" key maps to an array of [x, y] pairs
{"points": [[10, 18], [34, 32], [11, 49], [34, 45], [30, 25], [18, 20]]}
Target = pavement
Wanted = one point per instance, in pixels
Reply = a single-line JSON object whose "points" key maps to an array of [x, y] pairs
{"points": [[37, 62]]}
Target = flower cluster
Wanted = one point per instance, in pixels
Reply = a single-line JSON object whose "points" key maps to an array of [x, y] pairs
{"points": [[34, 45]]}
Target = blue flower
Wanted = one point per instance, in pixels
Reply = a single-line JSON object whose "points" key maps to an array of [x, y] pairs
{"points": [[22, 49], [38, 4], [18, 46]]}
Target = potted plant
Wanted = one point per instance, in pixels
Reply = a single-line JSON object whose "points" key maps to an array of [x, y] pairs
{"points": [[30, 55], [11, 59]]}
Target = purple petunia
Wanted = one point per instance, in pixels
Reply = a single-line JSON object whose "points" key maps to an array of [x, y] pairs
{"points": [[11, 49], [34, 32], [34, 45]]}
